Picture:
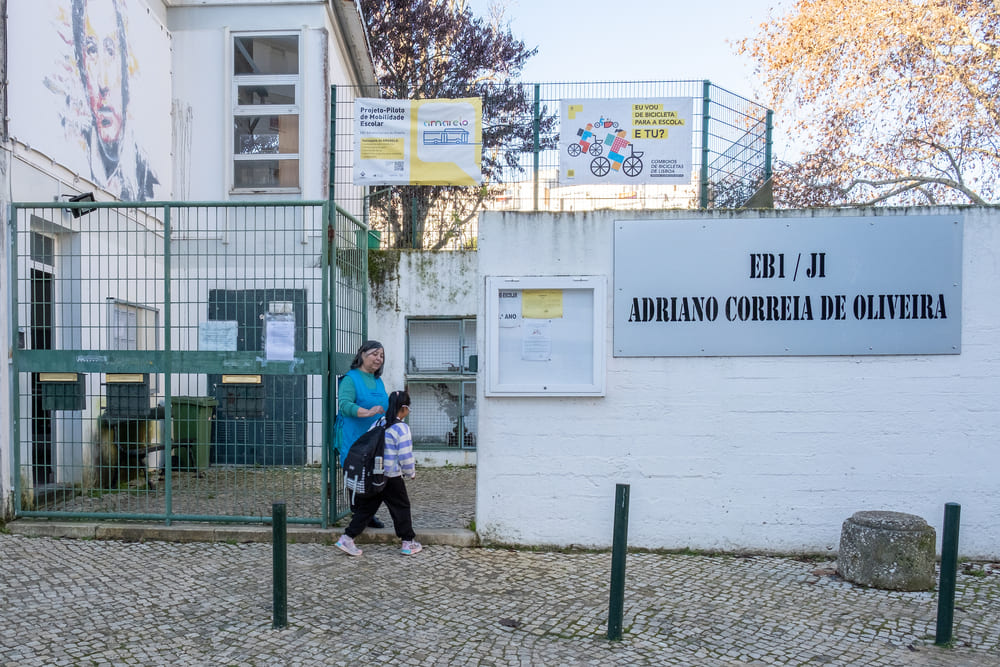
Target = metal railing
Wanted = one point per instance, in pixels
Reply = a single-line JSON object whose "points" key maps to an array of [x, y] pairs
{"points": [[174, 360], [731, 158]]}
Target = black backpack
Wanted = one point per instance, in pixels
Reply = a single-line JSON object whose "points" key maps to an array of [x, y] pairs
{"points": [[364, 475]]}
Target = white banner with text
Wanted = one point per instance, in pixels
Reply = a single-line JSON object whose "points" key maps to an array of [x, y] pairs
{"points": [[418, 142], [626, 141]]}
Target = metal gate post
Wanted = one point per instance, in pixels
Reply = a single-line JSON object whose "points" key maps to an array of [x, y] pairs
{"points": [[536, 122], [768, 141], [168, 417], [706, 110], [15, 403], [328, 491]]}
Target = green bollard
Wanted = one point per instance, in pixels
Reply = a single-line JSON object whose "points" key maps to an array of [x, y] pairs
{"points": [[949, 571], [279, 549], [619, 547]]}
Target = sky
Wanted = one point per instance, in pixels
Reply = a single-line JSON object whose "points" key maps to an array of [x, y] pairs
{"points": [[637, 40]]}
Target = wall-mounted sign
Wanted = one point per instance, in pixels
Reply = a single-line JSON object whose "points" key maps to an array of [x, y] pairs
{"points": [[418, 142], [626, 141], [788, 286], [217, 335], [279, 336], [545, 335]]}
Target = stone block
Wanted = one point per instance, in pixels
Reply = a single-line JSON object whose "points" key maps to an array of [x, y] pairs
{"points": [[888, 550]]}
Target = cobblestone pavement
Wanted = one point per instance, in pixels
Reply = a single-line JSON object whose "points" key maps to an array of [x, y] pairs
{"points": [[91, 602], [441, 498], [95, 602]]}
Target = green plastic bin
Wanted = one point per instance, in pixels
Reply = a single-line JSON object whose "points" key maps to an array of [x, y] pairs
{"points": [[192, 431]]}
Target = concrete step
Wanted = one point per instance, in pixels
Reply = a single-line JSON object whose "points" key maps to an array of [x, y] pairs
{"points": [[201, 532]]}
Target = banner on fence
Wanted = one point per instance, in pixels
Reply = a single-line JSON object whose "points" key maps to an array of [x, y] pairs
{"points": [[626, 141], [418, 142]]}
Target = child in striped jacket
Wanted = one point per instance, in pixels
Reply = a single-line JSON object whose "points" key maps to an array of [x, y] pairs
{"points": [[397, 461]]}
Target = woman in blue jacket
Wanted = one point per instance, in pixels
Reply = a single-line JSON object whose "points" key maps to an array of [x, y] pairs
{"points": [[361, 399]]}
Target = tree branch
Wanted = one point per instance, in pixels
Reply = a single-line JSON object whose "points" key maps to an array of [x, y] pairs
{"points": [[910, 183]]}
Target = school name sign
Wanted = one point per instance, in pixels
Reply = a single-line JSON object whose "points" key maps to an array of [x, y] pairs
{"points": [[790, 286]]}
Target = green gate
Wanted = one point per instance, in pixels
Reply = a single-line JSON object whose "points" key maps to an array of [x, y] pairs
{"points": [[176, 361]]}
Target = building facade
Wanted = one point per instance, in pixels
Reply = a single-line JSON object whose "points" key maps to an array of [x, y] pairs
{"points": [[151, 101]]}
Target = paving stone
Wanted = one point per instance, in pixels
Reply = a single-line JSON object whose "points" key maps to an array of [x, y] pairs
{"points": [[114, 602], [161, 603]]}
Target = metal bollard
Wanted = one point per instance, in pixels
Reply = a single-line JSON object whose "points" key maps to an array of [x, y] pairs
{"points": [[949, 571], [616, 605], [279, 550]]}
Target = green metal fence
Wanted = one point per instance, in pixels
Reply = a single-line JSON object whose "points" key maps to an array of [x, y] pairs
{"points": [[175, 361], [731, 158]]}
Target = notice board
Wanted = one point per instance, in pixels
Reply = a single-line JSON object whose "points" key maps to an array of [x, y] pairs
{"points": [[545, 336]]}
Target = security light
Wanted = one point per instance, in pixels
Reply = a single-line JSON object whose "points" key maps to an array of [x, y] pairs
{"points": [[85, 197]]}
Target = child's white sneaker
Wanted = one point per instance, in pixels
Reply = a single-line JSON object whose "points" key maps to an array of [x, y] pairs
{"points": [[346, 544], [411, 547]]}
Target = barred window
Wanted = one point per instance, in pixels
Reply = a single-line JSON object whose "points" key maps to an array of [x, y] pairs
{"points": [[441, 378]]}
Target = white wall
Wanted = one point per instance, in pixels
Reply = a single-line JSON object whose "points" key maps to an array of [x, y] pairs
{"points": [[50, 111], [421, 284], [766, 454]]}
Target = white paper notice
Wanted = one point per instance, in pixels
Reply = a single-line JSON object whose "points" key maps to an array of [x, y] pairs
{"points": [[536, 341], [510, 308], [217, 335], [279, 339]]}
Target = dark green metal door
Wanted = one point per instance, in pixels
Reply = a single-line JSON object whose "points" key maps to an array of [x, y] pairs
{"points": [[271, 429]]}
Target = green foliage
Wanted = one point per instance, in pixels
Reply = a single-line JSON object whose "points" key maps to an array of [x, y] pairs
{"points": [[383, 272], [383, 266], [973, 570]]}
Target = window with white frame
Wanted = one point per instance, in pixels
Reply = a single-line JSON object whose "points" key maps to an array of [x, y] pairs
{"points": [[267, 93]]}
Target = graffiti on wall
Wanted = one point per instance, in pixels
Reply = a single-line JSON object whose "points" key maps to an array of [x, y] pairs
{"points": [[107, 98]]}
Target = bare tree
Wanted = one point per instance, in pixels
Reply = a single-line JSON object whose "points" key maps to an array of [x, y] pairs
{"points": [[893, 101]]}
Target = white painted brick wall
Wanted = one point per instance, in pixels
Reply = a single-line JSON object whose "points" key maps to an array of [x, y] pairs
{"points": [[743, 453]]}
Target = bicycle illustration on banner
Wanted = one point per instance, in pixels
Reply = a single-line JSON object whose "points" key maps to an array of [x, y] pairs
{"points": [[630, 142], [594, 137]]}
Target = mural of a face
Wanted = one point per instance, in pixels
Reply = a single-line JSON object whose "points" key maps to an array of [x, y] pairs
{"points": [[101, 56], [109, 74]]}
